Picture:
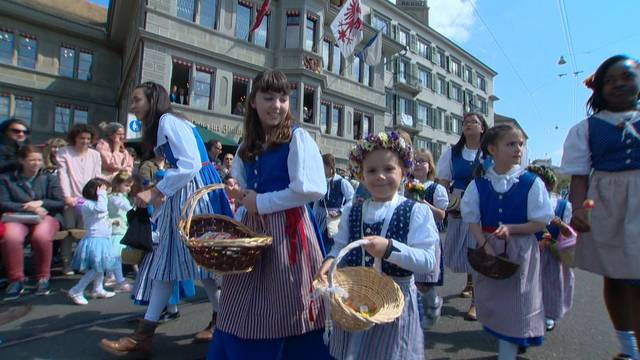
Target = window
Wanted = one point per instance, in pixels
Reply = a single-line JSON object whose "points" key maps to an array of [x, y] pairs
{"points": [[456, 67], [388, 101], [243, 21], [336, 120], [439, 118], [336, 66], [482, 83], [6, 47], [187, 9], [469, 102], [209, 13], [180, 80], [403, 37], [67, 61], [362, 123], [84, 65], [421, 143], [367, 77], [367, 124], [80, 115], [421, 113], [381, 24], [62, 118], [202, 88], [355, 67], [239, 92], [430, 116], [307, 104], [5, 101], [325, 113], [424, 77], [261, 35], [442, 85], [442, 59], [456, 92], [23, 110], [292, 34], [405, 108], [326, 53], [482, 105], [403, 70], [468, 74], [455, 124], [27, 51], [423, 49], [310, 33]]}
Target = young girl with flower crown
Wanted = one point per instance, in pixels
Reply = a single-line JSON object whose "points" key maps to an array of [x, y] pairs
{"points": [[505, 206], [269, 312], [602, 155], [401, 232]]}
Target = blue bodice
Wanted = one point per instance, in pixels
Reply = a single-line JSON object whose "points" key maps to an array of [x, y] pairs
{"points": [[610, 151], [504, 208], [462, 170]]}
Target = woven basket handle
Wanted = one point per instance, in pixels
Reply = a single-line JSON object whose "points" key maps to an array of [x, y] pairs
{"points": [[184, 223], [342, 253]]}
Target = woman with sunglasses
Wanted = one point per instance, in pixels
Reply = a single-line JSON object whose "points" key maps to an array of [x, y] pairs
{"points": [[13, 134]]}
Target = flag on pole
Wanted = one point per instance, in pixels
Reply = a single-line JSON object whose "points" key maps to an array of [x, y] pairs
{"points": [[261, 13], [372, 52], [347, 27]]}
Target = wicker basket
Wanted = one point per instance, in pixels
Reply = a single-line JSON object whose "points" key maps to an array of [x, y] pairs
{"points": [[362, 285], [234, 255]]}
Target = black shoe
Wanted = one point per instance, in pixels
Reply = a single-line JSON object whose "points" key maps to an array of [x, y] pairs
{"points": [[166, 316], [522, 349]]}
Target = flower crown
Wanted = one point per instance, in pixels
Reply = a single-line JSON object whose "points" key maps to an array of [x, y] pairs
{"points": [[382, 141]]}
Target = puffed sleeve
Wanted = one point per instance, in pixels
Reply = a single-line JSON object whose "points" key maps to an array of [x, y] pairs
{"points": [[341, 238], [179, 135], [237, 170], [470, 204], [305, 168], [347, 191], [538, 203], [576, 155], [418, 254], [440, 197], [443, 168]]}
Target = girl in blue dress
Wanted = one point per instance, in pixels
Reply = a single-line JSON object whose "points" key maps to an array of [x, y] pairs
{"points": [[188, 169]]}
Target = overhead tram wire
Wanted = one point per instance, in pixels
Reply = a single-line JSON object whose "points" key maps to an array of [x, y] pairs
{"points": [[566, 29]]}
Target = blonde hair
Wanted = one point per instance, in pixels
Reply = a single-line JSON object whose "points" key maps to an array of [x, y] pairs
{"points": [[432, 166], [50, 163]]}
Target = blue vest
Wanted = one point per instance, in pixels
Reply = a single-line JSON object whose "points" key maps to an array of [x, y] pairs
{"points": [[334, 199], [269, 172], [462, 170], [398, 231], [506, 208], [554, 230], [171, 159], [609, 151]]}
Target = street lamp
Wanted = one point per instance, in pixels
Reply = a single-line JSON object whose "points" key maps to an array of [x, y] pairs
{"points": [[561, 61]]}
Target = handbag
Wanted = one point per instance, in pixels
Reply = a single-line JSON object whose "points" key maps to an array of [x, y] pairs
{"points": [[496, 267], [138, 235], [27, 218]]}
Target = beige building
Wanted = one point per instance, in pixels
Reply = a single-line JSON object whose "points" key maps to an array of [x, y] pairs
{"points": [[203, 53]]}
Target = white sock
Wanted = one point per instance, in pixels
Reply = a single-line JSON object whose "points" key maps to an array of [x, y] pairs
{"points": [[628, 344], [160, 293], [172, 308], [83, 282], [507, 350], [98, 282], [213, 293]]}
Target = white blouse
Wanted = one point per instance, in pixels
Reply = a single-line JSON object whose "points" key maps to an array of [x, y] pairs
{"points": [[347, 192], [440, 196], [538, 203], [418, 254], [178, 133], [576, 156], [444, 168], [306, 173]]}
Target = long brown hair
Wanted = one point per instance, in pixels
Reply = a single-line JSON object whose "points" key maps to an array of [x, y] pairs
{"points": [[159, 104], [255, 138], [457, 148]]}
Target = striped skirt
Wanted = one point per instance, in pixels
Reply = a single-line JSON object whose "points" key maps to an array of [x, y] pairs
{"points": [[274, 299], [513, 307], [458, 239], [557, 285], [401, 339]]}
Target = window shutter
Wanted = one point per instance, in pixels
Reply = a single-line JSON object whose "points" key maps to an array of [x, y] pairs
{"points": [[412, 74], [448, 61], [449, 90], [434, 54], [434, 79], [413, 42], [394, 31]]}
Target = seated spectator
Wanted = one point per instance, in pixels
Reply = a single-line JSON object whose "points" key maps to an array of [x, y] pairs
{"points": [[114, 155], [148, 169], [173, 97], [29, 191], [239, 109], [50, 153], [214, 149], [13, 134]]}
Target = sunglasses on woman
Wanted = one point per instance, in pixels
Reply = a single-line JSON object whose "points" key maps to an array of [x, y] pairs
{"points": [[20, 131]]}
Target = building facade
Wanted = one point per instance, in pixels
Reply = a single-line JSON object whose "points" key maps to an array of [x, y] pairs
{"points": [[203, 53]]}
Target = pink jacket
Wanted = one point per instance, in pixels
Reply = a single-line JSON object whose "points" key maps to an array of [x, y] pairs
{"points": [[76, 170], [113, 162]]}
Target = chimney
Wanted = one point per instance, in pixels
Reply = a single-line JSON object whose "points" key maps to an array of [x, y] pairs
{"points": [[416, 8]]}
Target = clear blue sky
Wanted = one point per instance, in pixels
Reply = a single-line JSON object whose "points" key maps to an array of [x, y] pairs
{"points": [[530, 32], [103, 3]]}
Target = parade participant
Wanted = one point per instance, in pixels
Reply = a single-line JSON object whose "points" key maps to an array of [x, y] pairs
{"points": [[504, 207], [436, 198], [557, 279], [94, 254], [602, 155], [269, 312], [187, 170], [328, 209], [118, 207], [455, 171], [401, 232]]}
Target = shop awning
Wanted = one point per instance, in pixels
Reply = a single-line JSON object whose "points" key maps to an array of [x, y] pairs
{"points": [[207, 135]]}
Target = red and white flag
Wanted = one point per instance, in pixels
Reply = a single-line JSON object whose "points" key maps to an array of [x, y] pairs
{"points": [[261, 13], [347, 27]]}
